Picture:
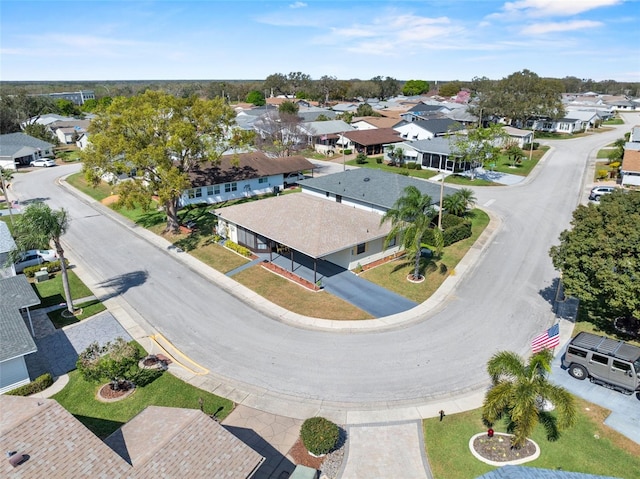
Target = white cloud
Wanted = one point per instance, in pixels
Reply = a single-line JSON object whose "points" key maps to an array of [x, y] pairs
{"points": [[298, 5], [553, 27], [549, 8]]}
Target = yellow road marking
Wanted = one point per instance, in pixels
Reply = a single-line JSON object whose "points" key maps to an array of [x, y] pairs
{"points": [[200, 370]]}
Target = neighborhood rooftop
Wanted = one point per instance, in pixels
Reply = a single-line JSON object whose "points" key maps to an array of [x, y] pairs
{"points": [[311, 225], [15, 293], [370, 186]]}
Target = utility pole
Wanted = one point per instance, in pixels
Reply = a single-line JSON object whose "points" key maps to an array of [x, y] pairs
{"points": [[441, 196]]}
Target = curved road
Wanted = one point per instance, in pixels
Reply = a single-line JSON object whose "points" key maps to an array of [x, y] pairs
{"points": [[500, 304]]}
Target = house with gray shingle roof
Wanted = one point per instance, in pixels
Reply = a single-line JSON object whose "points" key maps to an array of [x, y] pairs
{"points": [[16, 294], [158, 442], [336, 218], [425, 129], [7, 244], [22, 149]]}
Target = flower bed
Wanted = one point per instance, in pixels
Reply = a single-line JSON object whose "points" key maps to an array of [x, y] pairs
{"points": [[290, 276]]}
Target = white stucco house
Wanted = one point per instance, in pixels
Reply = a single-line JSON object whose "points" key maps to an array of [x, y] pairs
{"points": [[426, 129]]}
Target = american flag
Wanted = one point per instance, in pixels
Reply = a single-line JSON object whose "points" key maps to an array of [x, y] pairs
{"points": [[549, 339]]}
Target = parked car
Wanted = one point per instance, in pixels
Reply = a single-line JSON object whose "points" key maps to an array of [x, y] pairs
{"points": [[611, 363], [46, 162], [598, 191], [34, 257], [292, 179]]}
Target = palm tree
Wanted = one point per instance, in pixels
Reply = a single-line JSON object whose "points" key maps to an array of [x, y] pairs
{"points": [[411, 217], [518, 391], [38, 226], [467, 195], [455, 204]]}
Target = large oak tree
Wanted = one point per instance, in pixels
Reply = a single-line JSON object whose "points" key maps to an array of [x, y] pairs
{"points": [[162, 138], [599, 257]]}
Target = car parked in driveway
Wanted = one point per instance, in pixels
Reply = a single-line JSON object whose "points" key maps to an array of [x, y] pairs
{"points": [[598, 191], [46, 162], [35, 257]]}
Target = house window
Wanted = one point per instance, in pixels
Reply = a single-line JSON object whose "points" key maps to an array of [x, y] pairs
{"points": [[361, 248], [191, 194], [263, 180], [392, 242], [198, 192], [229, 187], [210, 191]]}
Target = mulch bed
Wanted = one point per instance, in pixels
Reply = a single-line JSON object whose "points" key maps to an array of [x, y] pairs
{"points": [[106, 394], [498, 448], [300, 455]]}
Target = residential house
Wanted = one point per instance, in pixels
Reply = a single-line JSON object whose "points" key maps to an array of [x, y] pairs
{"points": [[564, 125], [312, 113], [324, 135], [241, 175], [83, 140], [158, 442], [371, 142], [634, 136], [373, 122], [630, 168], [426, 129], [16, 294], [422, 111], [21, 149], [520, 137], [335, 219], [68, 131], [46, 119]]}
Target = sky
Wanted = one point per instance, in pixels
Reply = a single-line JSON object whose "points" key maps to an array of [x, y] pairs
{"points": [[227, 40]]}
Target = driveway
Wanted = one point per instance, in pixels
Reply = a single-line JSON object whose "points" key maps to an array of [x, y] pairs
{"points": [[625, 410]]}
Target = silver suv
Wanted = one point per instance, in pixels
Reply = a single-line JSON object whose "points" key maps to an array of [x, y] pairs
{"points": [[608, 362], [598, 191]]}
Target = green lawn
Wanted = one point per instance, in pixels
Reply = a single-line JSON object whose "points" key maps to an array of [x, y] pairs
{"points": [[88, 309], [393, 275], [50, 291], [466, 181], [98, 193], [588, 447], [79, 398], [604, 153], [614, 121]]}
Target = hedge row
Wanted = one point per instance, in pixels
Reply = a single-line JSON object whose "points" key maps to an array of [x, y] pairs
{"points": [[40, 384], [237, 248], [52, 267], [454, 229]]}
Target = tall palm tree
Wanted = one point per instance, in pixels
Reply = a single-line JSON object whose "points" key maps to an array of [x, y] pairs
{"points": [[411, 217], [467, 195], [518, 391], [39, 226], [455, 204]]}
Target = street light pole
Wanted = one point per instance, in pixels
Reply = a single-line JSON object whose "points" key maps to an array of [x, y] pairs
{"points": [[441, 196], [533, 134], [344, 166]]}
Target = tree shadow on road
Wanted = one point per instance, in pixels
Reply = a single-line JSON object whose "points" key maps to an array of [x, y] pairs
{"points": [[121, 284]]}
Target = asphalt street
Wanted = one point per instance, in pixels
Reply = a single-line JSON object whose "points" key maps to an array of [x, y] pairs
{"points": [[500, 304]]}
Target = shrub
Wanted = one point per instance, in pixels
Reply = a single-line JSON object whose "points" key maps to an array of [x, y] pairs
{"points": [[615, 164], [52, 267], [527, 146], [142, 377], [319, 435], [237, 248], [454, 229], [347, 152], [118, 359], [39, 384], [379, 160], [361, 159], [602, 174]]}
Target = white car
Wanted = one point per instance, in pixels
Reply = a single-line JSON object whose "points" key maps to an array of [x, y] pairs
{"points": [[34, 257], [46, 162]]}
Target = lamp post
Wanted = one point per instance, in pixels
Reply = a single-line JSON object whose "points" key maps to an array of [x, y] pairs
{"points": [[344, 166], [441, 196], [533, 134]]}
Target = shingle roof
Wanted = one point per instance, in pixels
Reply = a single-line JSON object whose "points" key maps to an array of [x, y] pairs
{"points": [[316, 128], [15, 293], [246, 166], [377, 121], [631, 161], [372, 186], [56, 442], [314, 226], [21, 139], [376, 136], [172, 442], [522, 472], [6, 240], [438, 145], [438, 125]]}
